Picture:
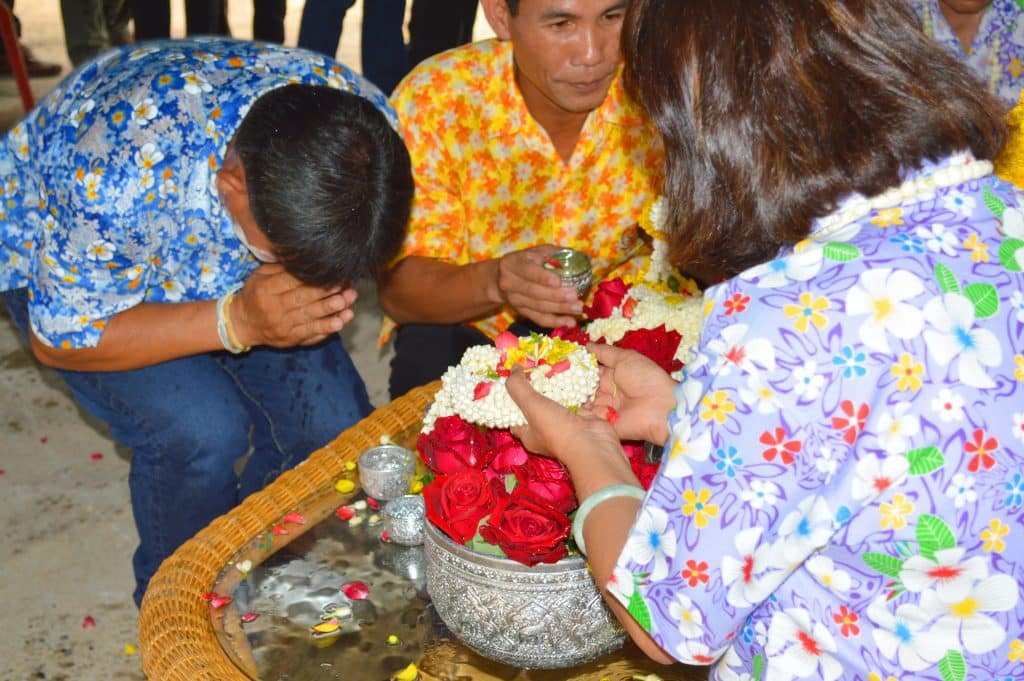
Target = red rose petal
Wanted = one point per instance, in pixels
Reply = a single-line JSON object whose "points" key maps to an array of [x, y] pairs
{"points": [[357, 590], [295, 518], [610, 415], [482, 390], [249, 617], [554, 263], [628, 307], [43, 439], [88, 622], [345, 512], [209, 596], [385, 537], [96, 456], [372, 503], [280, 529], [3, 472], [218, 602], [559, 367]]}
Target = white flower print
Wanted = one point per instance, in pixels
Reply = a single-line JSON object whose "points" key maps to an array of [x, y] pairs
{"points": [[946, 574], [824, 570], [804, 646], [796, 267], [172, 291], [872, 477], [807, 383], [683, 450], [953, 335], [652, 540], [730, 667], [964, 620], [881, 294], [621, 583], [903, 636], [79, 114], [101, 250], [688, 616], [961, 490], [948, 405], [754, 575], [896, 426], [761, 493], [195, 83], [959, 203], [938, 239], [695, 652], [758, 393], [826, 463], [731, 351], [148, 156], [1013, 223], [1017, 302], [144, 112], [1018, 426], [805, 529]]}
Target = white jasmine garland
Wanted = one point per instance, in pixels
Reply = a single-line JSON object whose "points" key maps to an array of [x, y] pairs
{"points": [[475, 391]]}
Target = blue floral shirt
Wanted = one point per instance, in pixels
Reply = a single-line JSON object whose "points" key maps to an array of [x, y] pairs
{"points": [[842, 494], [108, 188], [997, 53]]}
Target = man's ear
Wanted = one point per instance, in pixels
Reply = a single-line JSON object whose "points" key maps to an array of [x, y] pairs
{"points": [[231, 176], [498, 16]]}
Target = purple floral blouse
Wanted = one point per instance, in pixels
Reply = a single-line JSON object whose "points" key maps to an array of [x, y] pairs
{"points": [[842, 494]]}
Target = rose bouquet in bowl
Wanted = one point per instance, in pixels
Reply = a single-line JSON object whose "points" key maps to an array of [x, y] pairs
{"points": [[485, 490]]}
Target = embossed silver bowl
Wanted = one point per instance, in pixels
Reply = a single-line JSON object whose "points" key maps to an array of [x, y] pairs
{"points": [[544, 617]]}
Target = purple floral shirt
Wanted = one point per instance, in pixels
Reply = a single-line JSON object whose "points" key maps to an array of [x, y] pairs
{"points": [[996, 54], [842, 494]]}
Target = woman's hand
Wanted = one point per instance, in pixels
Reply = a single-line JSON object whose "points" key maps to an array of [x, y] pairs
{"points": [[637, 389]]}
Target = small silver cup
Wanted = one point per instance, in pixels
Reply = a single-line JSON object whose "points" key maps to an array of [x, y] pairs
{"points": [[573, 267], [403, 519], [386, 471]]}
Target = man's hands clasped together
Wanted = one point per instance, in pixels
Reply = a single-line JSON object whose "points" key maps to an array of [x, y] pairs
{"points": [[276, 309]]}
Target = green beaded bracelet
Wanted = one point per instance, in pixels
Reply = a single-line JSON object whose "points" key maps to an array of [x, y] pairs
{"points": [[603, 494]]}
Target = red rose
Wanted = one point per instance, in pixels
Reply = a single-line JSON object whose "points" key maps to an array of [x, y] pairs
{"points": [[571, 333], [549, 481], [505, 451], [455, 504], [643, 470], [527, 529], [452, 445], [656, 344], [608, 296]]}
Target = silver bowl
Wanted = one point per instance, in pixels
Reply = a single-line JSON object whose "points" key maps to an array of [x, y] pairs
{"points": [[573, 267], [544, 617]]}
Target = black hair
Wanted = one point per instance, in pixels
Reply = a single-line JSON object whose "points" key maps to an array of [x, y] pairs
{"points": [[773, 112], [329, 182]]}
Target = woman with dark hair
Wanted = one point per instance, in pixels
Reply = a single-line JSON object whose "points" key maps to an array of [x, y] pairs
{"points": [[842, 494]]}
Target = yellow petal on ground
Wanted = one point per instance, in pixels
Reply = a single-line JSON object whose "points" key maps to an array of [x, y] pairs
{"points": [[345, 486], [410, 673], [326, 627]]}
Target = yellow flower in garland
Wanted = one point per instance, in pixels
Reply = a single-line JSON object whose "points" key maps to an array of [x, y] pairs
{"points": [[716, 406], [696, 505], [992, 536], [537, 349], [808, 312], [908, 373]]}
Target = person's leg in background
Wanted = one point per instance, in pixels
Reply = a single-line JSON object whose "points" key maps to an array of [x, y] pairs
{"points": [[206, 17], [320, 26], [152, 19], [439, 25], [382, 45], [35, 67], [92, 27], [299, 400], [268, 20]]}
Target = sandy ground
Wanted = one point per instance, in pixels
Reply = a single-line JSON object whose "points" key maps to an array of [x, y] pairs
{"points": [[65, 569]]}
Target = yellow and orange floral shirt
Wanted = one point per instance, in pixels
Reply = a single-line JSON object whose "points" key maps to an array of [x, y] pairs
{"points": [[489, 180]]}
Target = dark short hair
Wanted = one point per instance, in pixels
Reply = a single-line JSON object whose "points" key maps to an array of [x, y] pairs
{"points": [[329, 182], [773, 112]]}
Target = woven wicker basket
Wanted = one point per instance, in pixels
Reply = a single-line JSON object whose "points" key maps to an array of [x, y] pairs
{"points": [[176, 637]]}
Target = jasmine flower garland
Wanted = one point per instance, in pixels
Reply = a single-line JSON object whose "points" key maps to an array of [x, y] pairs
{"points": [[475, 389]]}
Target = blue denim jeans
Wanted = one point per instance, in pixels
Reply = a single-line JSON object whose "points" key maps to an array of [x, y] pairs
{"points": [[382, 41], [189, 421]]}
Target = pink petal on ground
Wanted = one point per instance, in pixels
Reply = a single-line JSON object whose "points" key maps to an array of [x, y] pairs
{"points": [[357, 590], [385, 537], [372, 503], [88, 622], [96, 456], [250, 617], [280, 529], [43, 439], [218, 602], [295, 518], [345, 512]]}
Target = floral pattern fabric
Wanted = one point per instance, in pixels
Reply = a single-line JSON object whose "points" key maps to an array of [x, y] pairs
{"points": [[997, 53], [108, 185], [489, 181], [842, 494]]}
